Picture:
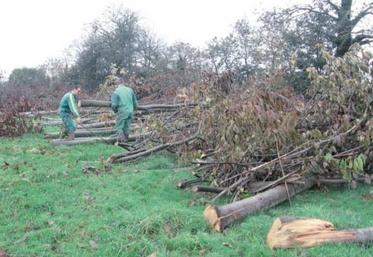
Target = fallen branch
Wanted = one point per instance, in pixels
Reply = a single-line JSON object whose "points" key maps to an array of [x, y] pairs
{"points": [[151, 107], [101, 124], [84, 140], [91, 140], [187, 183], [85, 133], [126, 157], [59, 122], [207, 189]]}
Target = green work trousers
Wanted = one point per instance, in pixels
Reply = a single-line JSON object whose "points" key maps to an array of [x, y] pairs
{"points": [[123, 122], [68, 122]]}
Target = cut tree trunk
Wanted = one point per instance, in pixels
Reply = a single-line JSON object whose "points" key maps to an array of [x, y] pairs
{"points": [[251, 187], [37, 113], [188, 183], [84, 140], [59, 122], [129, 157], [292, 232], [91, 140], [101, 124], [221, 217], [41, 113], [85, 133], [207, 189], [150, 107]]}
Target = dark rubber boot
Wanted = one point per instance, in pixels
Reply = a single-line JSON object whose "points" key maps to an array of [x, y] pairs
{"points": [[71, 136], [121, 138]]}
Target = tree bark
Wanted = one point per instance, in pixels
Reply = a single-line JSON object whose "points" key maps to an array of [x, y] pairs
{"points": [[37, 113], [59, 122], [128, 156], [85, 133], [207, 189], [91, 140], [85, 140], [151, 107], [101, 124], [221, 217], [187, 183]]}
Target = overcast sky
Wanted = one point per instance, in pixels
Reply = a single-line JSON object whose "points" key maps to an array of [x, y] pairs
{"points": [[34, 30]]}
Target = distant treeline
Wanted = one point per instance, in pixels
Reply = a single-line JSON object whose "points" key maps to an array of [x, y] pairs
{"points": [[282, 41]]}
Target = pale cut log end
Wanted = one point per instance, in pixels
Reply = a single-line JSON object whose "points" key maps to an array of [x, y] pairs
{"points": [[194, 189], [271, 237], [301, 233], [211, 214], [110, 159]]}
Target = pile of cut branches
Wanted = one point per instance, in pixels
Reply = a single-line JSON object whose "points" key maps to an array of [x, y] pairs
{"points": [[274, 144]]}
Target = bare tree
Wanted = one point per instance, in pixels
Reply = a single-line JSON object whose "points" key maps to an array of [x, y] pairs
{"points": [[341, 22]]}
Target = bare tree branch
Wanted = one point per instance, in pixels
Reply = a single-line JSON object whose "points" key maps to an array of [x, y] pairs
{"points": [[360, 39], [311, 9], [333, 5], [362, 14]]}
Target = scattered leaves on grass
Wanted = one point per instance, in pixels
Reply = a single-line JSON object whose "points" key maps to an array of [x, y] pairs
{"points": [[3, 254], [368, 196], [88, 199], [93, 244], [168, 230], [4, 167], [227, 244]]}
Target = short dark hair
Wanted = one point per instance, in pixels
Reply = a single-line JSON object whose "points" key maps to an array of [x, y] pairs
{"points": [[119, 80], [77, 86]]}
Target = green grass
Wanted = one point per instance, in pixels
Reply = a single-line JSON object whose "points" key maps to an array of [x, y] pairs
{"points": [[50, 207]]}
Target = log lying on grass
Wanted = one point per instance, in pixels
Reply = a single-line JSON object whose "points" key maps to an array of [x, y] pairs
{"points": [[187, 183], [252, 188], [129, 156], [37, 113], [84, 140], [85, 133], [101, 124], [42, 113], [91, 140], [149, 108], [59, 122], [292, 232], [207, 189], [219, 217]]}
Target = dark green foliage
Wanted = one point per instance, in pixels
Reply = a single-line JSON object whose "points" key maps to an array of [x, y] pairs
{"points": [[116, 39]]}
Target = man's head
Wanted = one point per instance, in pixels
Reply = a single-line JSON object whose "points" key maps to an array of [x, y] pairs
{"points": [[77, 90], [119, 81]]}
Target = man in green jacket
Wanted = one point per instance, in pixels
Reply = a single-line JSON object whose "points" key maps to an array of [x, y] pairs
{"points": [[123, 103], [67, 110]]}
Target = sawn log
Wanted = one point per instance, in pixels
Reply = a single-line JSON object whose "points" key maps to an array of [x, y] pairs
{"points": [[293, 232], [219, 217]]}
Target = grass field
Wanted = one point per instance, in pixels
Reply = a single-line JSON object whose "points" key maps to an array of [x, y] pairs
{"points": [[50, 207]]}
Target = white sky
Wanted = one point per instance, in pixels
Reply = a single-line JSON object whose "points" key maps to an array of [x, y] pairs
{"points": [[34, 30]]}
